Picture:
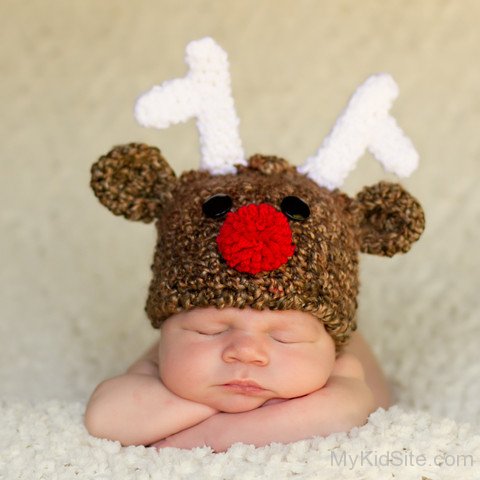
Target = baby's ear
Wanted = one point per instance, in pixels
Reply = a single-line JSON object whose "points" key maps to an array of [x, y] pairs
{"points": [[133, 180], [388, 218]]}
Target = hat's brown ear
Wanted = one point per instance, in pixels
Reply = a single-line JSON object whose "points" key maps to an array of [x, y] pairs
{"points": [[389, 219], [133, 180]]}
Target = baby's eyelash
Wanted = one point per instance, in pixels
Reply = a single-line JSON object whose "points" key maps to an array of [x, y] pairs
{"points": [[209, 333], [282, 341]]}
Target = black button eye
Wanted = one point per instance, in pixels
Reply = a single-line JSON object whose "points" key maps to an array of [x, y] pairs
{"points": [[295, 209], [217, 205]]}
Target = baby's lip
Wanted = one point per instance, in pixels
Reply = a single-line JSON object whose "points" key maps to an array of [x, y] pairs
{"points": [[244, 387], [244, 383]]}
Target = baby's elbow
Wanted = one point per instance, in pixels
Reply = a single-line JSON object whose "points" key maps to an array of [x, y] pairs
{"points": [[353, 402], [100, 424], [110, 415], [91, 423], [360, 408], [93, 418], [97, 414]]}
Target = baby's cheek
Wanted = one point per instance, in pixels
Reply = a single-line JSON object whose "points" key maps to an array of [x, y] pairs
{"points": [[181, 372], [178, 383], [305, 371], [172, 372]]}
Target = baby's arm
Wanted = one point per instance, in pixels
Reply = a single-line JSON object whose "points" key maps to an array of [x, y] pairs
{"points": [[137, 409], [343, 403], [374, 375]]}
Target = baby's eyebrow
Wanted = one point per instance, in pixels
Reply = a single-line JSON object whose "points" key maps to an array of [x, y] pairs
{"points": [[195, 321], [290, 325]]}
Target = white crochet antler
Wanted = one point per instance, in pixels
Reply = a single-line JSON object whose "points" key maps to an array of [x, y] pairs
{"points": [[364, 124], [205, 94]]}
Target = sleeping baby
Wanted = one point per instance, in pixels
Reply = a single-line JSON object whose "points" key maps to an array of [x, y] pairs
{"points": [[255, 272], [204, 382]]}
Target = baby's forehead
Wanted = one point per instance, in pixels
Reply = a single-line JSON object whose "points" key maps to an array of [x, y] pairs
{"points": [[284, 319]]}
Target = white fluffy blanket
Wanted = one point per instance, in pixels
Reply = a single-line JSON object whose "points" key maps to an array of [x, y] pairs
{"points": [[48, 441]]}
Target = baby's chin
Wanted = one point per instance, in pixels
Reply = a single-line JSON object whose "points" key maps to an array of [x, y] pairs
{"points": [[237, 403]]}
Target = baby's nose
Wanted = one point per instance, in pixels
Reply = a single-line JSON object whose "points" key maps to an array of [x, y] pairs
{"points": [[246, 349]]}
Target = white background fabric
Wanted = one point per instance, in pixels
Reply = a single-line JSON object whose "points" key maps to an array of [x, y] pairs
{"points": [[74, 278]]}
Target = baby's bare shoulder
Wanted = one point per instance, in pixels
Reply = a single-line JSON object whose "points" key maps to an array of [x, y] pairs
{"points": [[348, 365], [144, 367], [147, 364], [347, 389]]}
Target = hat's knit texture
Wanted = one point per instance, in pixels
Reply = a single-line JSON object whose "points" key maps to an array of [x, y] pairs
{"points": [[318, 271], [261, 234]]}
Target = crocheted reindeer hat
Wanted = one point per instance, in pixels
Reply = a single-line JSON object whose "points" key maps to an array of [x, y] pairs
{"points": [[261, 233]]}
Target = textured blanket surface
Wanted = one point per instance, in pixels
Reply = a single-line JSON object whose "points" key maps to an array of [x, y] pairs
{"points": [[394, 444], [73, 277]]}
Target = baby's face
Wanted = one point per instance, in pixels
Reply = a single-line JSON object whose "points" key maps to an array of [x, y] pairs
{"points": [[235, 360]]}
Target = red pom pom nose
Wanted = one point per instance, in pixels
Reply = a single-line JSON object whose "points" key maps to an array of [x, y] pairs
{"points": [[255, 238]]}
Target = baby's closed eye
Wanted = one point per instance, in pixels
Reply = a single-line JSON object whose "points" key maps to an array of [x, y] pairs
{"points": [[283, 338], [209, 332], [292, 336]]}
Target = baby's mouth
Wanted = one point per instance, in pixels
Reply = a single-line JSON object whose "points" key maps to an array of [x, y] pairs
{"points": [[243, 386]]}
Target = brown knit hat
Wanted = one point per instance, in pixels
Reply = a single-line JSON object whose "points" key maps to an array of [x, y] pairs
{"points": [[260, 234]]}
